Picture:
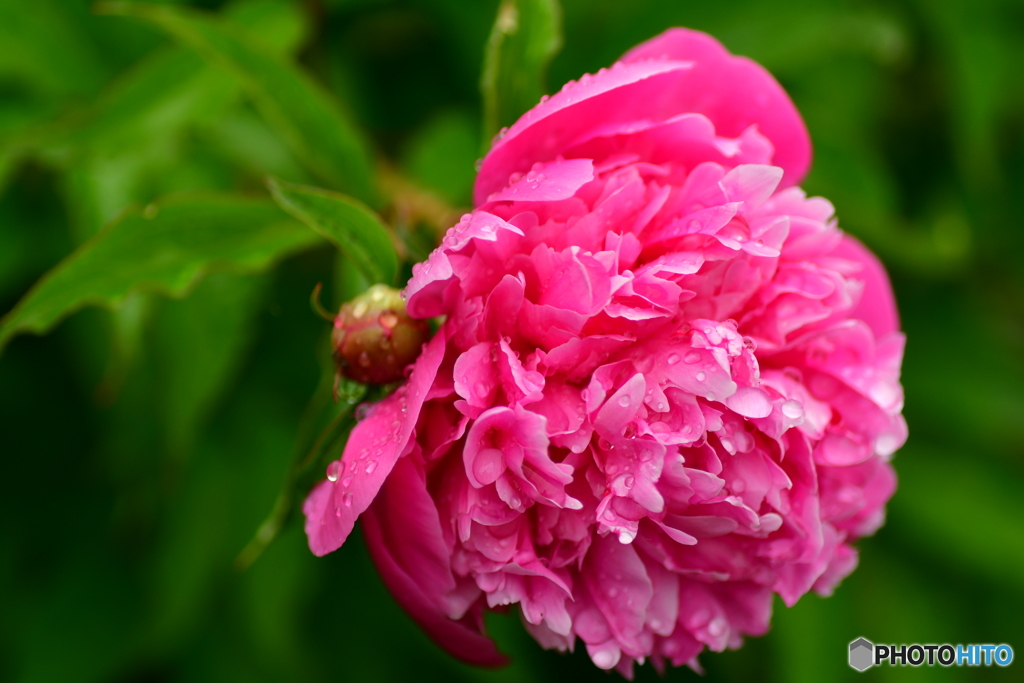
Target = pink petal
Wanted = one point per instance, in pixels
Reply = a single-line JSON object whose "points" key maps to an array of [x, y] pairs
{"points": [[404, 537], [548, 182], [625, 92], [620, 587], [735, 93], [371, 452], [877, 306]]}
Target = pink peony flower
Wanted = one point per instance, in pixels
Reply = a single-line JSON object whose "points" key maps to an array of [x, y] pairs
{"points": [[666, 387]]}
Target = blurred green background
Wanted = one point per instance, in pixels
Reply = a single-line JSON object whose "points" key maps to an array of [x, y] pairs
{"points": [[141, 448]]}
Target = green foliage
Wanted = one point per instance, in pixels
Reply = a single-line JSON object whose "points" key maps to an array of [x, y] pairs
{"points": [[441, 155], [304, 114], [526, 35], [146, 447], [352, 226], [165, 247]]}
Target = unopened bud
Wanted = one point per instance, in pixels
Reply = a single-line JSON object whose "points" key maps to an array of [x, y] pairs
{"points": [[375, 339]]}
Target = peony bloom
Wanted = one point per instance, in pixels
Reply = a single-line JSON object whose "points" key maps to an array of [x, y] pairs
{"points": [[666, 387]]}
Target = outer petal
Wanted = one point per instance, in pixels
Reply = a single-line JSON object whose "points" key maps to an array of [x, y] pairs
{"points": [[626, 92], [404, 537], [549, 182], [735, 93], [877, 306], [371, 452]]}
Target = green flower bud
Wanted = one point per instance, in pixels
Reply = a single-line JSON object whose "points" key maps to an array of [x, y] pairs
{"points": [[375, 339]]}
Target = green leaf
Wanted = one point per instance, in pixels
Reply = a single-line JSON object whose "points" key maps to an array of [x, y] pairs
{"points": [[166, 247], [527, 34], [302, 111], [350, 225]]}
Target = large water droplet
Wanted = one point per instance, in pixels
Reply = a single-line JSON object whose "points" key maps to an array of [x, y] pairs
{"points": [[371, 466], [701, 376], [624, 401], [793, 409], [604, 659], [692, 357], [672, 359], [333, 470]]}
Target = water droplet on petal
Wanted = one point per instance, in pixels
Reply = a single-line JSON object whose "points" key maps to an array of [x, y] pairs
{"points": [[672, 359], [333, 470], [371, 466], [604, 659], [624, 401], [701, 376], [792, 409], [692, 357]]}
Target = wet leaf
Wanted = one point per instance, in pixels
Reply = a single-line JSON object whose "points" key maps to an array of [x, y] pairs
{"points": [[301, 110], [166, 247], [351, 225]]}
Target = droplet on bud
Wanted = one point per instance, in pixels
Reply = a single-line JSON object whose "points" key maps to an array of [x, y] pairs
{"points": [[374, 338]]}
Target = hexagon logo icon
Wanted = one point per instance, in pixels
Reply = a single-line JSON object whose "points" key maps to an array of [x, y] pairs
{"points": [[862, 654]]}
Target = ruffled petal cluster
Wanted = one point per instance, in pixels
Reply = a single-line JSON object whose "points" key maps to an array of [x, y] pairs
{"points": [[666, 385]]}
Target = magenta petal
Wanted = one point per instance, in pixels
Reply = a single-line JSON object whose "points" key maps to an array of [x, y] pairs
{"points": [[623, 93], [735, 93], [404, 537], [371, 452], [877, 306], [548, 182], [620, 588]]}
